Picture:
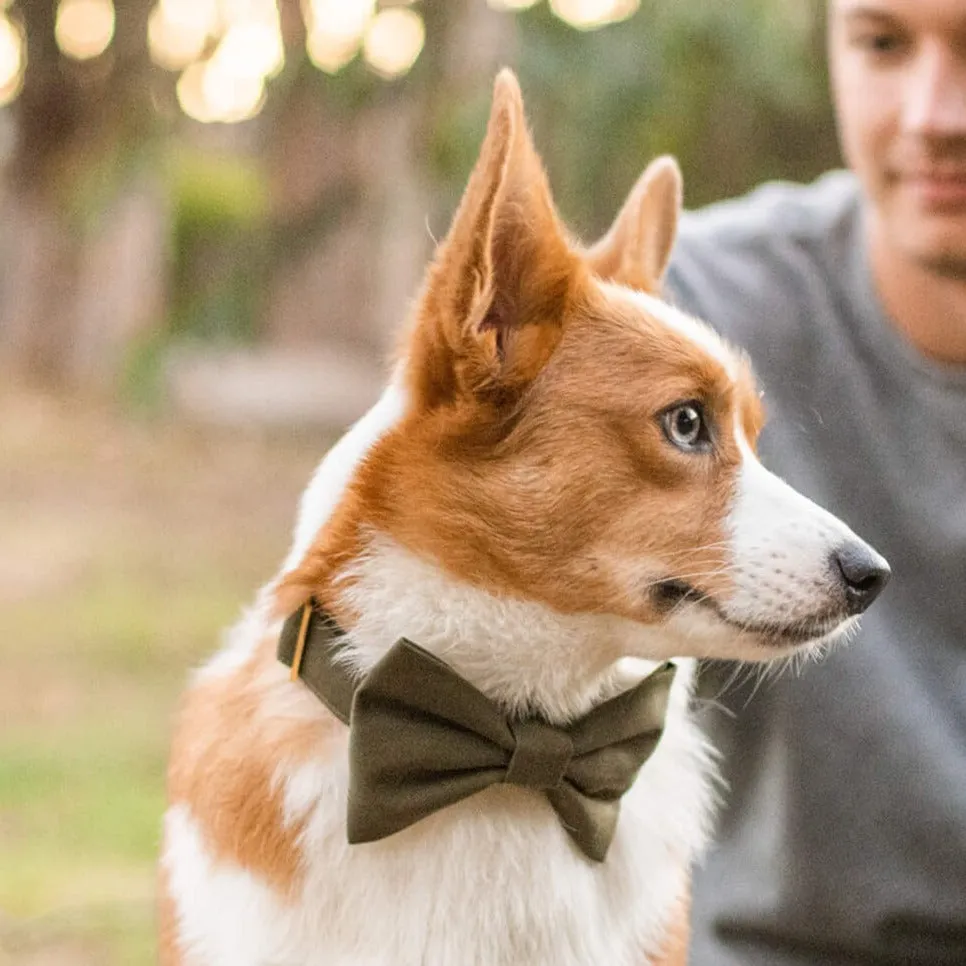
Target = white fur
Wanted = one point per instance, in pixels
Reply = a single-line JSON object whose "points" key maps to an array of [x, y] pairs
{"points": [[521, 653], [318, 501], [781, 571], [781, 546], [492, 881], [698, 332], [225, 915], [338, 467]]}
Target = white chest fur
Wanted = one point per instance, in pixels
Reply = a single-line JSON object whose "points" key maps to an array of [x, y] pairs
{"points": [[493, 881]]}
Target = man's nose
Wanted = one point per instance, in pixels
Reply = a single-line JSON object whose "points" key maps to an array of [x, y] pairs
{"points": [[935, 96]]}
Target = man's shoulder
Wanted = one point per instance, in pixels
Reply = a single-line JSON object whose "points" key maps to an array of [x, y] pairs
{"points": [[775, 214], [771, 265]]}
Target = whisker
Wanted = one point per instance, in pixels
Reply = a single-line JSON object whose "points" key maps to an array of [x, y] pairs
{"points": [[692, 551], [687, 576]]}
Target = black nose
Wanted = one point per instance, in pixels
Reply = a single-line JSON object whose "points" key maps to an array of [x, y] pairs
{"points": [[864, 572]]}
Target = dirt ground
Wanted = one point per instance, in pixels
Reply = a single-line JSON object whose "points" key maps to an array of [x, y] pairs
{"points": [[126, 544]]}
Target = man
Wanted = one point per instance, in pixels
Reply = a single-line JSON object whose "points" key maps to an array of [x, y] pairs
{"points": [[843, 840]]}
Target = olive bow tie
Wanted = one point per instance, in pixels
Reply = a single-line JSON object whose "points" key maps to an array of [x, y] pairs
{"points": [[422, 738]]}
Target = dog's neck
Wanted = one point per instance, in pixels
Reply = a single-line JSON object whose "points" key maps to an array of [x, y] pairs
{"points": [[522, 654]]}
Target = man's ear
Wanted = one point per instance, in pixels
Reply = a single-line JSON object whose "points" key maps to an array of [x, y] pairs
{"points": [[637, 249], [492, 307]]}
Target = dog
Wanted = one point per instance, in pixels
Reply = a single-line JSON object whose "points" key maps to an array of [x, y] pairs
{"points": [[556, 495]]}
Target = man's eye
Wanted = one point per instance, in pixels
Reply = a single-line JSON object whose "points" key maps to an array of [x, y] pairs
{"points": [[878, 42], [686, 427]]}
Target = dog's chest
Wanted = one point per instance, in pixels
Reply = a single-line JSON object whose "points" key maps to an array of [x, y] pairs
{"points": [[492, 881]]}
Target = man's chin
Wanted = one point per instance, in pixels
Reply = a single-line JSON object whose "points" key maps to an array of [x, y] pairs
{"points": [[934, 239], [947, 263]]}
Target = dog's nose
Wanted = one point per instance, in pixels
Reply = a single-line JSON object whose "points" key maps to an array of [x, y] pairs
{"points": [[864, 573]]}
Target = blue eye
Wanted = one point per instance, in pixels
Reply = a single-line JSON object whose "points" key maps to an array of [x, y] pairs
{"points": [[685, 426]]}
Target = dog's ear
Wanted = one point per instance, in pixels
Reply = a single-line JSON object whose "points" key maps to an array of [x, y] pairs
{"points": [[492, 308], [637, 249]]}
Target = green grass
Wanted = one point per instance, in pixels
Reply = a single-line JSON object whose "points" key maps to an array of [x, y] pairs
{"points": [[131, 547], [127, 621], [89, 798], [80, 804]]}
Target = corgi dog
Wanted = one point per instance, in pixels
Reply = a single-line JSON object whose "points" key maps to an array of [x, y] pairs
{"points": [[556, 494]]}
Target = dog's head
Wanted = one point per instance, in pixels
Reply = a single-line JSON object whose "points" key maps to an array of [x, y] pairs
{"points": [[570, 438]]}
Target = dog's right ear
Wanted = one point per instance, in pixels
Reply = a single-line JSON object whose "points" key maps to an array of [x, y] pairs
{"points": [[492, 308], [637, 249]]}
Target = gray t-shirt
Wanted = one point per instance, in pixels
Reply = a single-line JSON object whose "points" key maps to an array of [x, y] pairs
{"points": [[843, 839]]}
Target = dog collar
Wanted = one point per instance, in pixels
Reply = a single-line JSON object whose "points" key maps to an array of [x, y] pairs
{"points": [[422, 738]]}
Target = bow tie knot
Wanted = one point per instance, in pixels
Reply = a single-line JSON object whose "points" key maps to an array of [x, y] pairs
{"points": [[541, 755]]}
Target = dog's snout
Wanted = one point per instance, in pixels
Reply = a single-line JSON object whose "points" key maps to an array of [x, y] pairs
{"points": [[864, 573]]}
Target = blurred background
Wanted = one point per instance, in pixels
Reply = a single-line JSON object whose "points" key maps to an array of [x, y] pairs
{"points": [[213, 214]]}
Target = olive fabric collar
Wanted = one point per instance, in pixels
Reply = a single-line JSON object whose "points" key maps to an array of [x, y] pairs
{"points": [[422, 738]]}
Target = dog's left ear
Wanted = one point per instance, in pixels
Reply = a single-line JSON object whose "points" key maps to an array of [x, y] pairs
{"points": [[637, 249], [496, 294]]}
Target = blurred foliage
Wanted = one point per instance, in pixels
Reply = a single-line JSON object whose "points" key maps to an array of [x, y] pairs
{"points": [[219, 252], [736, 89], [219, 209]]}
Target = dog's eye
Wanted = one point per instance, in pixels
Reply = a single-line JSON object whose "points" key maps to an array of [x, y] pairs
{"points": [[685, 426]]}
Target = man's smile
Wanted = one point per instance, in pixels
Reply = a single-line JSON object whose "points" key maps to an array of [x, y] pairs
{"points": [[937, 189]]}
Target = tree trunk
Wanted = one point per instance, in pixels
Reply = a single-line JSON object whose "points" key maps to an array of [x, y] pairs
{"points": [[73, 120]]}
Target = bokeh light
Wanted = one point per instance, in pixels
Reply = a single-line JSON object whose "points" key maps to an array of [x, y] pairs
{"points": [[191, 94], [328, 53], [227, 85], [12, 60], [212, 91], [84, 28], [393, 41], [252, 49], [232, 96], [178, 31], [335, 29], [591, 14], [512, 5]]}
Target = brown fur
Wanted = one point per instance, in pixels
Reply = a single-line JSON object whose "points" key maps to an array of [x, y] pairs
{"points": [[531, 462], [636, 250], [226, 749]]}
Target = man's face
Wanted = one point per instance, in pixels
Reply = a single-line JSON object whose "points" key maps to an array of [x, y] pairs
{"points": [[899, 78]]}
